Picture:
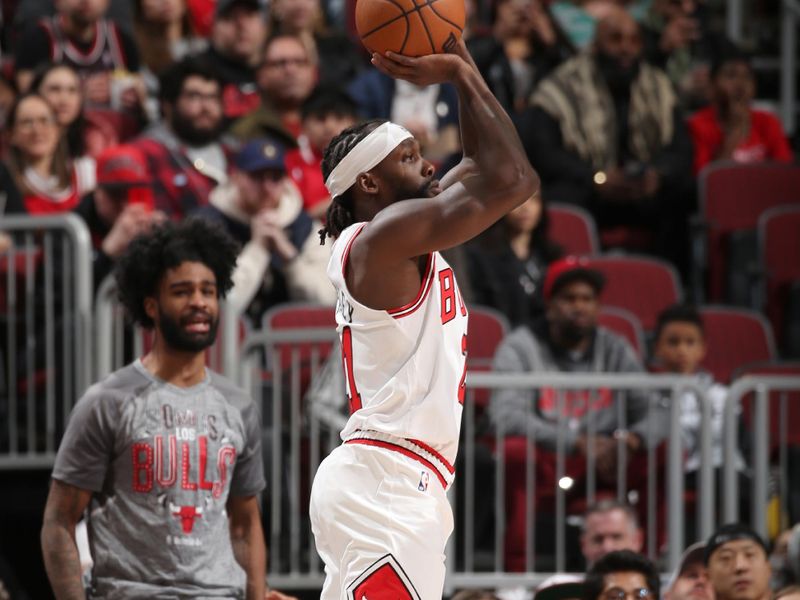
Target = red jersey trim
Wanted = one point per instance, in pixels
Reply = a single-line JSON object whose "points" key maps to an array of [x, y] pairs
{"points": [[408, 447], [346, 255], [424, 287], [441, 458], [405, 452]]}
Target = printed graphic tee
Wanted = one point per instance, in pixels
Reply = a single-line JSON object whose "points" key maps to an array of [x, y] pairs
{"points": [[161, 462]]}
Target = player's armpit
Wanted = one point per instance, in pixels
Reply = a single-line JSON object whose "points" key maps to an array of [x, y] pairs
{"points": [[65, 505]]}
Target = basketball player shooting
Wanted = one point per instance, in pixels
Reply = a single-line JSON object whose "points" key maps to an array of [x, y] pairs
{"points": [[379, 510]]}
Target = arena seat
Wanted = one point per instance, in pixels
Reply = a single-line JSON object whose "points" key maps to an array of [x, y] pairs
{"points": [[300, 315], [640, 284], [625, 324], [735, 337], [779, 250], [487, 328], [732, 196], [573, 229]]}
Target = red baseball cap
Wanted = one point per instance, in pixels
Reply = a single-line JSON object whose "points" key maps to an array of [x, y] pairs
{"points": [[122, 166], [569, 269]]}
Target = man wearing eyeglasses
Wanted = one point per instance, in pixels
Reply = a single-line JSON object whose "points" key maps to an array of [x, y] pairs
{"points": [[738, 564], [285, 79], [622, 575]]}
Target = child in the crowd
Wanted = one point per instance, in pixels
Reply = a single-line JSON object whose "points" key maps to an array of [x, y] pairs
{"points": [[679, 348], [730, 128]]}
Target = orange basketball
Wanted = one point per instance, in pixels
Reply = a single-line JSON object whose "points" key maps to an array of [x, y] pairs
{"points": [[409, 27]]}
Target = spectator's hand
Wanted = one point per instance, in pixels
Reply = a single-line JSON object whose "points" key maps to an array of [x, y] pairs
{"points": [[135, 219], [265, 229], [679, 33], [422, 70], [97, 88], [542, 26], [606, 458], [134, 96]]}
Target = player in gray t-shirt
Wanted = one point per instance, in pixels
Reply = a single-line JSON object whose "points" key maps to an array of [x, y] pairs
{"points": [[165, 454]]}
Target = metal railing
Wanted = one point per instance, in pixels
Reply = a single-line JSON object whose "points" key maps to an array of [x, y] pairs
{"points": [[46, 321]]}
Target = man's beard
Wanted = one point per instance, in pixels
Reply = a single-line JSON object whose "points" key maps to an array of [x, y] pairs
{"points": [[177, 338], [194, 136], [619, 78], [572, 333]]}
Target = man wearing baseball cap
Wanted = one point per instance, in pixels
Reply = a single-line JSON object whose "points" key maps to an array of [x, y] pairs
{"points": [[260, 206], [738, 564], [569, 340], [120, 208], [690, 579]]}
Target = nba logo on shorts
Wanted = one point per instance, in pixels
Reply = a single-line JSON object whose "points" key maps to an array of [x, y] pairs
{"points": [[424, 478]]}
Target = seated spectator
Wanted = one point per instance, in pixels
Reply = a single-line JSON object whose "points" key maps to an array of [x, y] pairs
{"points": [[622, 574], [38, 162], [237, 37], [736, 558], [281, 258], [430, 113], [730, 129], [678, 39], [326, 113], [679, 348], [186, 158], [606, 133], [338, 58], [120, 208], [285, 78], [524, 45], [568, 340], [86, 135], [690, 580], [100, 51], [609, 526], [164, 34], [507, 263]]}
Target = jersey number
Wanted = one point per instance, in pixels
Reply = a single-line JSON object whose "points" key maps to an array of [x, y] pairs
{"points": [[462, 384], [353, 397]]}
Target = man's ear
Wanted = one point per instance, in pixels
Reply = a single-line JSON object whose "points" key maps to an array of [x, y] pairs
{"points": [[368, 183], [151, 308]]}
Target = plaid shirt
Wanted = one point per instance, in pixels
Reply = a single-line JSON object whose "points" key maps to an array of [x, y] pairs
{"points": [[178, 186]]}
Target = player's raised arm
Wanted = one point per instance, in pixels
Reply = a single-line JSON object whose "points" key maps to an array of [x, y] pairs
{"points": [[494, 177]]}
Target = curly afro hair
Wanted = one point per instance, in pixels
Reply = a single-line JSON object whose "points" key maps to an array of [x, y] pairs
{"points": [[139, 270]]}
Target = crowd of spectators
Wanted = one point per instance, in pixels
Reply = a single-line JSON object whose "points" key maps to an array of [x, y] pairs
{"points": [[223, 109]]}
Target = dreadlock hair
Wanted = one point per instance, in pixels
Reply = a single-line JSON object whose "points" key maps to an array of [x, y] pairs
{"points": [[140, 269], [340, 212]]}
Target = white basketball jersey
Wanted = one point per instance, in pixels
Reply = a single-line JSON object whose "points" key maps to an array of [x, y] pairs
{"points": [[405, 368]]}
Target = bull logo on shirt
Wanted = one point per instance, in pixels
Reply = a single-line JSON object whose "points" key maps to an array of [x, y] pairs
{"points": [[187, 515]]}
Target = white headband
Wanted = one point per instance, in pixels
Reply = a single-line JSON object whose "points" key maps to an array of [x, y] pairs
{"points": [[365, 155]]}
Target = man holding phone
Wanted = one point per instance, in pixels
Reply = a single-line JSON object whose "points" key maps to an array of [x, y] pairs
{"points": [[120, 208]]}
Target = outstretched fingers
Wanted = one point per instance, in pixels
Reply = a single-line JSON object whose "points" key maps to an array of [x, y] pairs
{"points": [[401, 69]]}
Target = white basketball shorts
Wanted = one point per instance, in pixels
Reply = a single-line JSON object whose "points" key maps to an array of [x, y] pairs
{"points": [[381, 521]]}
